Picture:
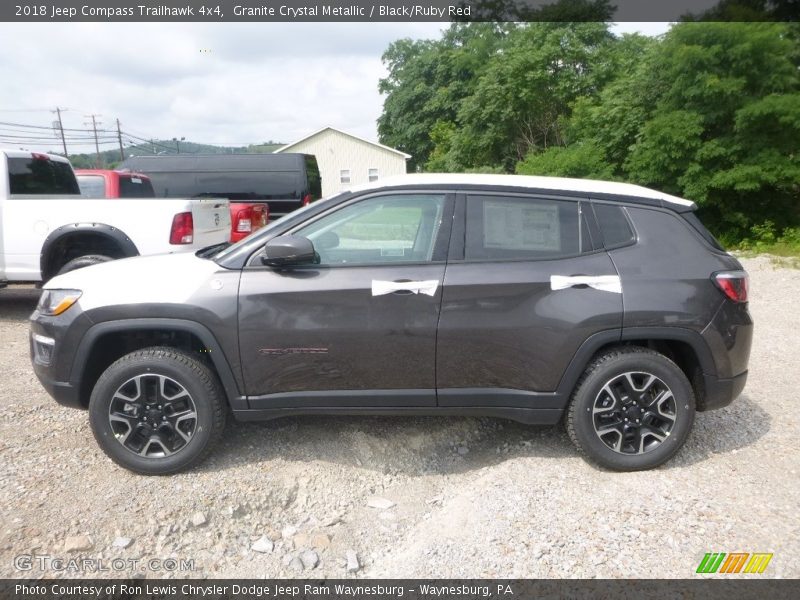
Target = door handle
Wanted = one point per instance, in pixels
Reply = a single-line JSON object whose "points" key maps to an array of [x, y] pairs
{"points": [[404, 287], [604, 283]]}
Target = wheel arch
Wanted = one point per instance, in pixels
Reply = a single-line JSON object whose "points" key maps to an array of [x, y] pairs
{"points": [[685, 347], [97, 238], [105, 342]]}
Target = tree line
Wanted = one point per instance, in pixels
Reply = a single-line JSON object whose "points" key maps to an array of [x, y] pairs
{"points": [[709, 111]]}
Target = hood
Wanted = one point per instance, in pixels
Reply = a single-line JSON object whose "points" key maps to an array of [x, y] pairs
{"points": [[163, 278]]}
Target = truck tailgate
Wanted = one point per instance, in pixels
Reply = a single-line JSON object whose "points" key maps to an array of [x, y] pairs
{"points": [[211, 217]]}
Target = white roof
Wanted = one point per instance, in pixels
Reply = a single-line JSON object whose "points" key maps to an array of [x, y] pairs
{"points": [[565, 184], [318, 131]]}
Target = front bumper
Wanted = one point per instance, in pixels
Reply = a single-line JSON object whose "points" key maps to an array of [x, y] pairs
{"points": [[54, 368], [720, 392], [62, 392]]}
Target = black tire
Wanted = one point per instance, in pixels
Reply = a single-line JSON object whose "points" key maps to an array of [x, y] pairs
{"points": [[612, 418], [83, 261], [142, 369]]}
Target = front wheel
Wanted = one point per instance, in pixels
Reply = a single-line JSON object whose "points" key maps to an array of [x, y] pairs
{"points": [[157, 411], [632, 410]]}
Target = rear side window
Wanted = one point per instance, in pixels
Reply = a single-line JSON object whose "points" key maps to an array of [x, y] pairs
{"points": [[40, 176], [135, 187], [614, 225], [501, 227], [92, 186]]}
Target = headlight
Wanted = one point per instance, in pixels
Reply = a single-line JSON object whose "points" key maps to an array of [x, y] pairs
{"points": [[55, 302]]}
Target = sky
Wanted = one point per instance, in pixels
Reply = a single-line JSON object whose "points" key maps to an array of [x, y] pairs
{"points": [[223, 83]]}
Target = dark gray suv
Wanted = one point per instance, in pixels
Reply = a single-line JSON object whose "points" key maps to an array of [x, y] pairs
{"points": [[604, 305]]}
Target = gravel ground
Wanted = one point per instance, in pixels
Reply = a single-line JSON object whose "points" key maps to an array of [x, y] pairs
{"points": [[409, 497]]}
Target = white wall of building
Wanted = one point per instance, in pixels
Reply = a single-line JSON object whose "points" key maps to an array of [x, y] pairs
{"points": [[337, 151]]}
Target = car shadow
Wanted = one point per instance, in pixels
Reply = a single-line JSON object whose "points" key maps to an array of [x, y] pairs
{"points": [[450, 445], [18, 302]]}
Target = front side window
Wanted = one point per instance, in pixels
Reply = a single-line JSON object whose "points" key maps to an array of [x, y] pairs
{"points": [[509, 228], [378, 230]]}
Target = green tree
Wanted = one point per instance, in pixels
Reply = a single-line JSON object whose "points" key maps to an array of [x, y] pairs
{"points": [[723, 129], [525, 93], [428, 80], [583, 159]]}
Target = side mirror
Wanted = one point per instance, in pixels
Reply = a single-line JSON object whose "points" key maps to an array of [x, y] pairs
{"points": [[289, 251]]}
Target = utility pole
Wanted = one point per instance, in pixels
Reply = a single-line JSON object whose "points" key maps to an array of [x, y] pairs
{"points": [[119, 137], [61, 130], [94, 124]]}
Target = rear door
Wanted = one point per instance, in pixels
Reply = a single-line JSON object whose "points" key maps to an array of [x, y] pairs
{"points": [[359, 329], [525, 285]]}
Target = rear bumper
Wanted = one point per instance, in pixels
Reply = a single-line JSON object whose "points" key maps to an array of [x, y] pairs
{"points": [[719, 393]]}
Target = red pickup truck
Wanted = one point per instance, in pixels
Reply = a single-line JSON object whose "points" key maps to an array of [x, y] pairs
{"points": [[246, 217]]}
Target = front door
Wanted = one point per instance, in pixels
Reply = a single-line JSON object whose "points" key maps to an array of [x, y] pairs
{"points": [[359, 328]]}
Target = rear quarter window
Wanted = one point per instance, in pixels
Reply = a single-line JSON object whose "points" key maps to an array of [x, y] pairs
{"points": [[40, 176], [614, 225]]}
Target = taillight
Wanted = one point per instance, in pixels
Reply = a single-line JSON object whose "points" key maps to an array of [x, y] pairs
{"points": [[306, 199], [182, 231], [265, 216], [244, 220], [733, 284]]}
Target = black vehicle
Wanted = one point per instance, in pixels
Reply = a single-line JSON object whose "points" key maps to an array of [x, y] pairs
{"points": [[285, 181], [603, 305]]}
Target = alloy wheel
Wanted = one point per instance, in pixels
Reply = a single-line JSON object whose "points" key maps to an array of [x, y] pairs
{"points": [[634, 412], [152, 416]]}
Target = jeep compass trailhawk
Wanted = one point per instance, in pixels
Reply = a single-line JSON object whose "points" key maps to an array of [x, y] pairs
{"points": [[603, 305]]}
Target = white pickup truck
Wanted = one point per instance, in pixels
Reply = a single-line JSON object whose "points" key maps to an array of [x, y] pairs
{"points": [[47, 228]]}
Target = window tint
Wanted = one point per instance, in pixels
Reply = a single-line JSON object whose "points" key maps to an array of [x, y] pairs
{"points": [[384, 229], [41, 176], [135, 187], [501, 227], [313, 177], [614, 225], [92, 186]]}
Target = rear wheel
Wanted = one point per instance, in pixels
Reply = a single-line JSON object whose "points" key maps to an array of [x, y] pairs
{"points": [[157, 411], [83, 261], [632, 410]]}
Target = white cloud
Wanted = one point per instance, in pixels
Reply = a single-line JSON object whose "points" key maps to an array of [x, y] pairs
{"points": [[250, 83]]}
